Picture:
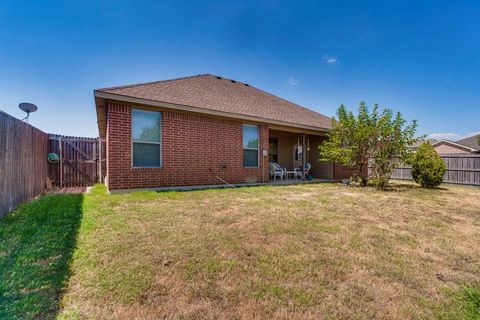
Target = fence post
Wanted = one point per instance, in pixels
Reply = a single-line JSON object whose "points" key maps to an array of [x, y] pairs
{"points": [[61, 161]]}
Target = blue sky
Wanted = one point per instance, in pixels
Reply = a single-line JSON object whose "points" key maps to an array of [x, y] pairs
{"points": [[418, 57]]}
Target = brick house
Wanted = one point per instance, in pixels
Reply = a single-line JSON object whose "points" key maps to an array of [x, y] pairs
{"points": [[465, 146], [204, 130]]}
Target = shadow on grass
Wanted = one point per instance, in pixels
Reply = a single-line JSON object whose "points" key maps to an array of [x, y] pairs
{"points": [[36, 245]]}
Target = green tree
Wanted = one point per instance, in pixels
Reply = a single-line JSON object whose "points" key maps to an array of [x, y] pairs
{"points": [[379, 140], [350, 140], [428, 167], [391, 142]]}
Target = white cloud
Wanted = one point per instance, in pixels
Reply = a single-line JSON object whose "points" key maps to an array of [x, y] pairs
{"points": [[329, 59], [451, 136], [292, 81]]}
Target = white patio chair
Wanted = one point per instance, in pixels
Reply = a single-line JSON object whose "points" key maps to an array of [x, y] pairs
{"points": [[276, 171]]}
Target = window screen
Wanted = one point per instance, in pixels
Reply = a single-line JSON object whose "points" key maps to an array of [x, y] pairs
{"points": [[250, 145], [146, 138]]}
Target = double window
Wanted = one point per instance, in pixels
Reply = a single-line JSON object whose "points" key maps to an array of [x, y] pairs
{"points": [[146, 138], [250, 146]]}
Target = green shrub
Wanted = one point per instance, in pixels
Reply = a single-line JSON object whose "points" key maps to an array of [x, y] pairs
{"points": [[428, 167]]}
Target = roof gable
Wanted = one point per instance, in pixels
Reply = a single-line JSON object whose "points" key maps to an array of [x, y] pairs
{"points": [[454, 145], [213, 93]]}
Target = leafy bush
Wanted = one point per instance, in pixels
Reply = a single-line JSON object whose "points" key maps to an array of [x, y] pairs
{"points": [[383, 137], [350, 139], [393, 136], [428, 167]]}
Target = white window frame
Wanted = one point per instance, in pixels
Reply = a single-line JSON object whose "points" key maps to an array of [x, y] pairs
{"points": [[257, 149], [146, 142]]}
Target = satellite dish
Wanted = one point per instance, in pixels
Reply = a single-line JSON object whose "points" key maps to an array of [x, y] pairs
{"points": [[28, 108]]}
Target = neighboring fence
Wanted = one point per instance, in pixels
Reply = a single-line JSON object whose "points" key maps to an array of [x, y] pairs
{"points": [[23, 165], [461, 169], [82, 161]]}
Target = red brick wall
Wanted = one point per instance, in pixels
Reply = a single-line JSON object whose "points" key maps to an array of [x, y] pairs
{"points": [[444, 148], [191, 145], [340, 172]]}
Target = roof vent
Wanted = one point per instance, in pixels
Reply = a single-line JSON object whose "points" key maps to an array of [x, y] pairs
{"points": [[246, 85], [233, 81], [219, 78]]}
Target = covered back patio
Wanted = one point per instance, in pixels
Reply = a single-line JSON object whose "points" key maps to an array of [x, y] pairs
{"points": [[296, 155]]}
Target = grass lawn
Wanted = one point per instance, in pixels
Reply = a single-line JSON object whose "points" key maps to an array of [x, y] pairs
{"points": [[36, 245], [319, 251]]}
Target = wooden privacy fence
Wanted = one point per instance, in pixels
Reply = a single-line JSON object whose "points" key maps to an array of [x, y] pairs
{"points": [[82, 161], [461, 169], [23, 162], [24, 167]]}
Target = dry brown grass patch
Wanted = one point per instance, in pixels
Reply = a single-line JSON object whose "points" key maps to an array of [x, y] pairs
{"points": [[321, 251]]}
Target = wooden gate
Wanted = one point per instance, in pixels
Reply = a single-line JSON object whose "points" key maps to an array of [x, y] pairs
{"points": [[82, 161]]}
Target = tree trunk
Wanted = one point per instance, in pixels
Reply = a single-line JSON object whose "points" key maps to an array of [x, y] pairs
{"points": [[363, 181], [363, 177]]}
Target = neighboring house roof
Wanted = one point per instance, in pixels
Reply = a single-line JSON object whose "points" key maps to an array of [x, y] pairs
{"points": [[417, 144], [455, 145], [215, 95], [471, 142]]}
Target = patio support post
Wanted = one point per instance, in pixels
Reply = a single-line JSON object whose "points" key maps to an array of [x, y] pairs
{"points": [[304, 151]]}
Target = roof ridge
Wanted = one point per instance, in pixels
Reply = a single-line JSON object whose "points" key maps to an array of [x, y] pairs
{"points": [[152, 82], [470, 137], [231, 80]]}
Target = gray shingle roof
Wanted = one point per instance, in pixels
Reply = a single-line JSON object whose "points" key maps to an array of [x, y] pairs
{"points": [[422, 141], [223, 95], [471, 142]]}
